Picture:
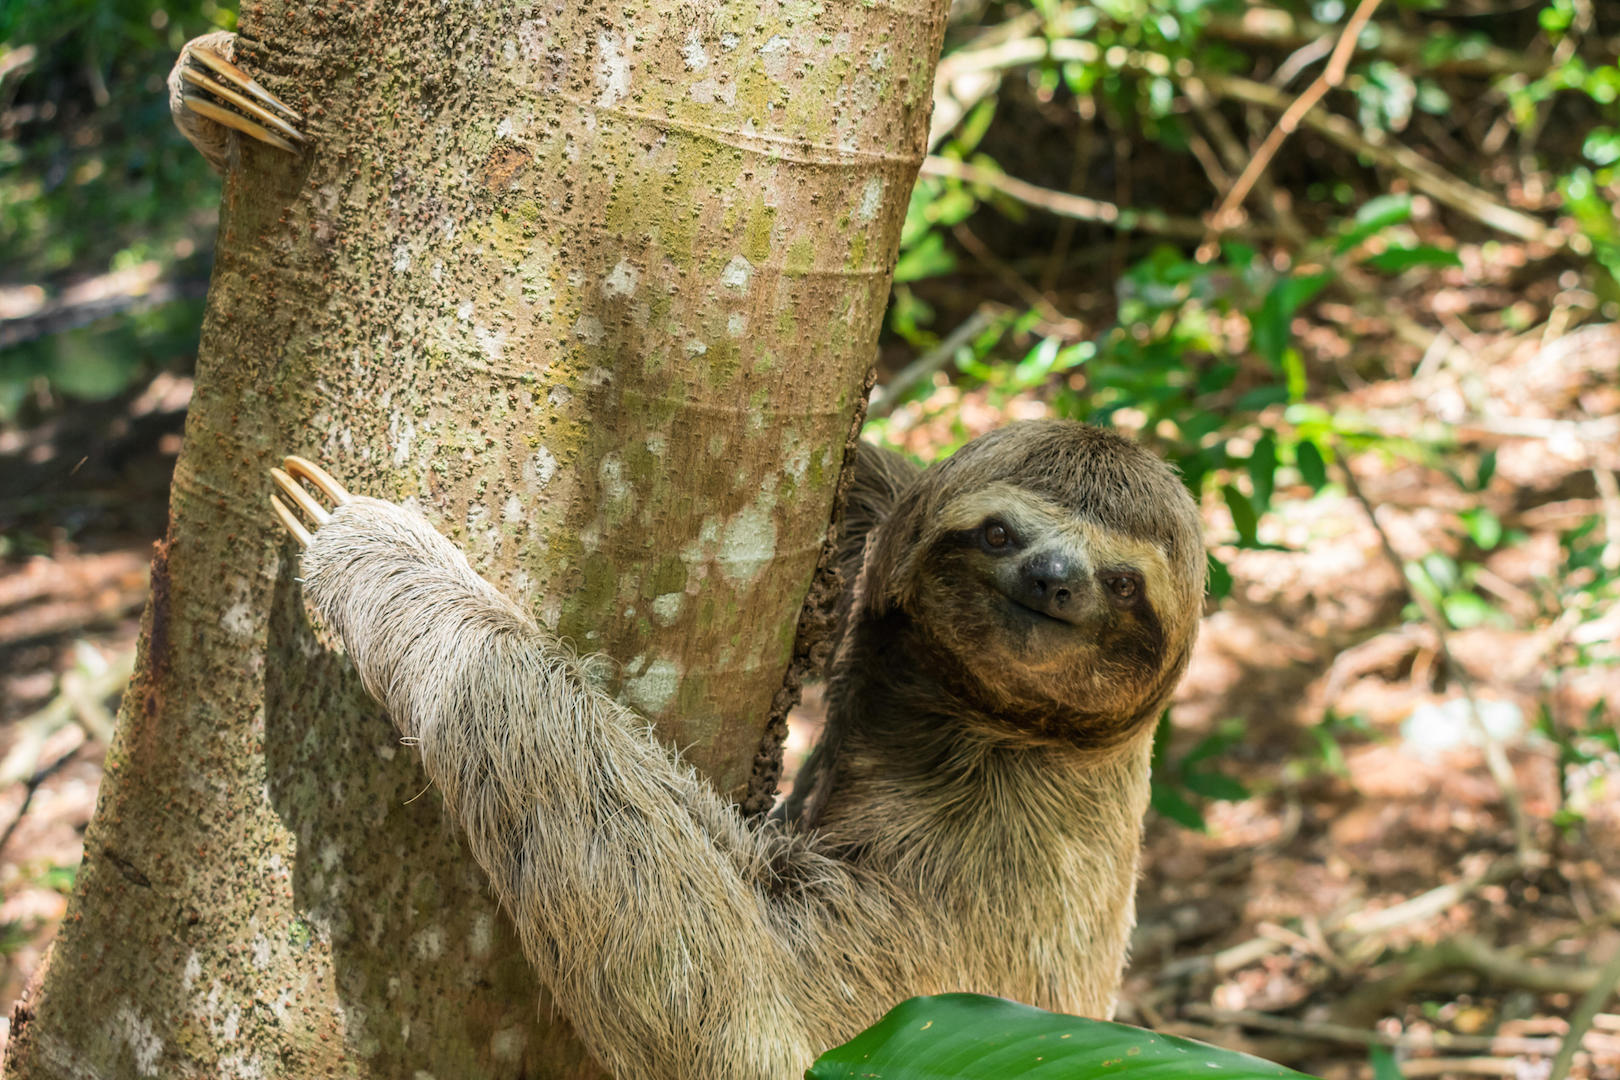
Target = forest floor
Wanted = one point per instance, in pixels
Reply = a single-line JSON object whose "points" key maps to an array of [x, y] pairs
{"points": [[1372, 883]]}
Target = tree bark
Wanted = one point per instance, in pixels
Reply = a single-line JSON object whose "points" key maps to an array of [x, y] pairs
{"points": [[597, 286]]}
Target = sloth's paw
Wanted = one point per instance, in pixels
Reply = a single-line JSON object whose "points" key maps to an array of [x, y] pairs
{"points": [[209, 96], [291, 482]]}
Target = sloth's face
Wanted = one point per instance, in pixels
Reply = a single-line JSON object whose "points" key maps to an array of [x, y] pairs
{"points": [[1057, 624], [1055, 573]]}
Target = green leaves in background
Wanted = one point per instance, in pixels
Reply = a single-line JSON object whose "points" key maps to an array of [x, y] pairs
{"points": [[972, 1037], [1181, 784]]}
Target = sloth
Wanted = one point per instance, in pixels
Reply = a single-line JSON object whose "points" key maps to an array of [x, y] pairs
{"points": [[1016, 619]]}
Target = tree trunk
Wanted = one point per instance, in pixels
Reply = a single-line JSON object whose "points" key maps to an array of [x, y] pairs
{"points": [[597, 286]]}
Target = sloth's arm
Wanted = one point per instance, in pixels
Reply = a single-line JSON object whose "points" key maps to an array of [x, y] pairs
{"points": [[678, 940]]}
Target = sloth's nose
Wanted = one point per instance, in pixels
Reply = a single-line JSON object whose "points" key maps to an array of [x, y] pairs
{"points": [[1053, 584]]}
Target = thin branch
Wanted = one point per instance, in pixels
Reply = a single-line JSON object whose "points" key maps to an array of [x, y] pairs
{"points": [[1495, 757], [1585, 1013], [1418, 170], [1285, 30], [1422, 173], [1609, 494], [1063, 204], [886, 397], [1321, 1031], [1226, 214]]}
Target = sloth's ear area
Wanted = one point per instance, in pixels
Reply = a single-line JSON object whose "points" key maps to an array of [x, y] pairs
{"points": [[889, 574]]}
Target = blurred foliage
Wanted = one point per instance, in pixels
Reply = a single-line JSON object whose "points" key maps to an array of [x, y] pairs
{"points": [[96, 183]]}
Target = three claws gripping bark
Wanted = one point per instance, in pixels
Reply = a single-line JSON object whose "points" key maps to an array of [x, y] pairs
{"points": [[287, 480], [206, 85]]}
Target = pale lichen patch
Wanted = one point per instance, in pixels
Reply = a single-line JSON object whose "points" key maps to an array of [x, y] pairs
{"points": [[737, 324], [654, 689], [871, 199], [710, 90], [508, 1044], [141, 1038], [612, 70], [692, 51], [737, 274], [491, 342], [481, 939], [402, 432], [776, 53], [589, 329], [428, 943], [748, 543], [238, 620], [538, 470], [621, 280], [666, 608]]}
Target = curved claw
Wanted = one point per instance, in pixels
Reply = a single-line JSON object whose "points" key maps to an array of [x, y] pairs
{"points": [[250, 112], [318, 476], [290, 521], [312, 509], [291, 482], [233, 74]]}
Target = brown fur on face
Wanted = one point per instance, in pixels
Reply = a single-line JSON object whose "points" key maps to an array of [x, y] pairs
{"points": [[1089, 496], [970, 821]]}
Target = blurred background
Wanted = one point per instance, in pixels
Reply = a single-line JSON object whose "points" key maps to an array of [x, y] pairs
{"points": [[1386, 828]]}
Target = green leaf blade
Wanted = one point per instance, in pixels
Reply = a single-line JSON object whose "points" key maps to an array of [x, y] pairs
{"points": [[973, 1037]]}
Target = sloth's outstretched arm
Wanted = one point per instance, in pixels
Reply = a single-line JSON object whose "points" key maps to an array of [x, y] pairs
{"points": [[680, 941]]}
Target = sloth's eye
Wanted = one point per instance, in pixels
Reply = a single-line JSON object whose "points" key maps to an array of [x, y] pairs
{"points": [[996, 535], [1123, 586]]}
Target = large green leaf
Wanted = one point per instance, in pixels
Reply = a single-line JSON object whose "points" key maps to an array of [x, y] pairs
{"points": [[972, 1037]]}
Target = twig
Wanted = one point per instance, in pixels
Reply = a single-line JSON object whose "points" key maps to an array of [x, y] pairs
{"points": [[1463, 953], [1445, 1066], [1226, 961], [1585, 1013], [78, 699], [1495, 757], [1012, 279], [1609, 493], [1418, 170], [1343, 1033], [1064, 204], [31, 787], [1226, 214], [1234, 155], [1423, 174], [1363, 924], [1285, 30], [886, 397]]}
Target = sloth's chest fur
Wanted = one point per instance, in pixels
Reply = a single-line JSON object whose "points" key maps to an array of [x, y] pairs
{"points": [[1025, 863]]}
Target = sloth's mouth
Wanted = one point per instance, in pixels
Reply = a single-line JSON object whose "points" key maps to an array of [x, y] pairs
{"points": [[1035, 615]]}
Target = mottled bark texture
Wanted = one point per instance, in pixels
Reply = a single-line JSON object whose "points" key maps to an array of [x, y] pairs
{"points": [[594, 284]]}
